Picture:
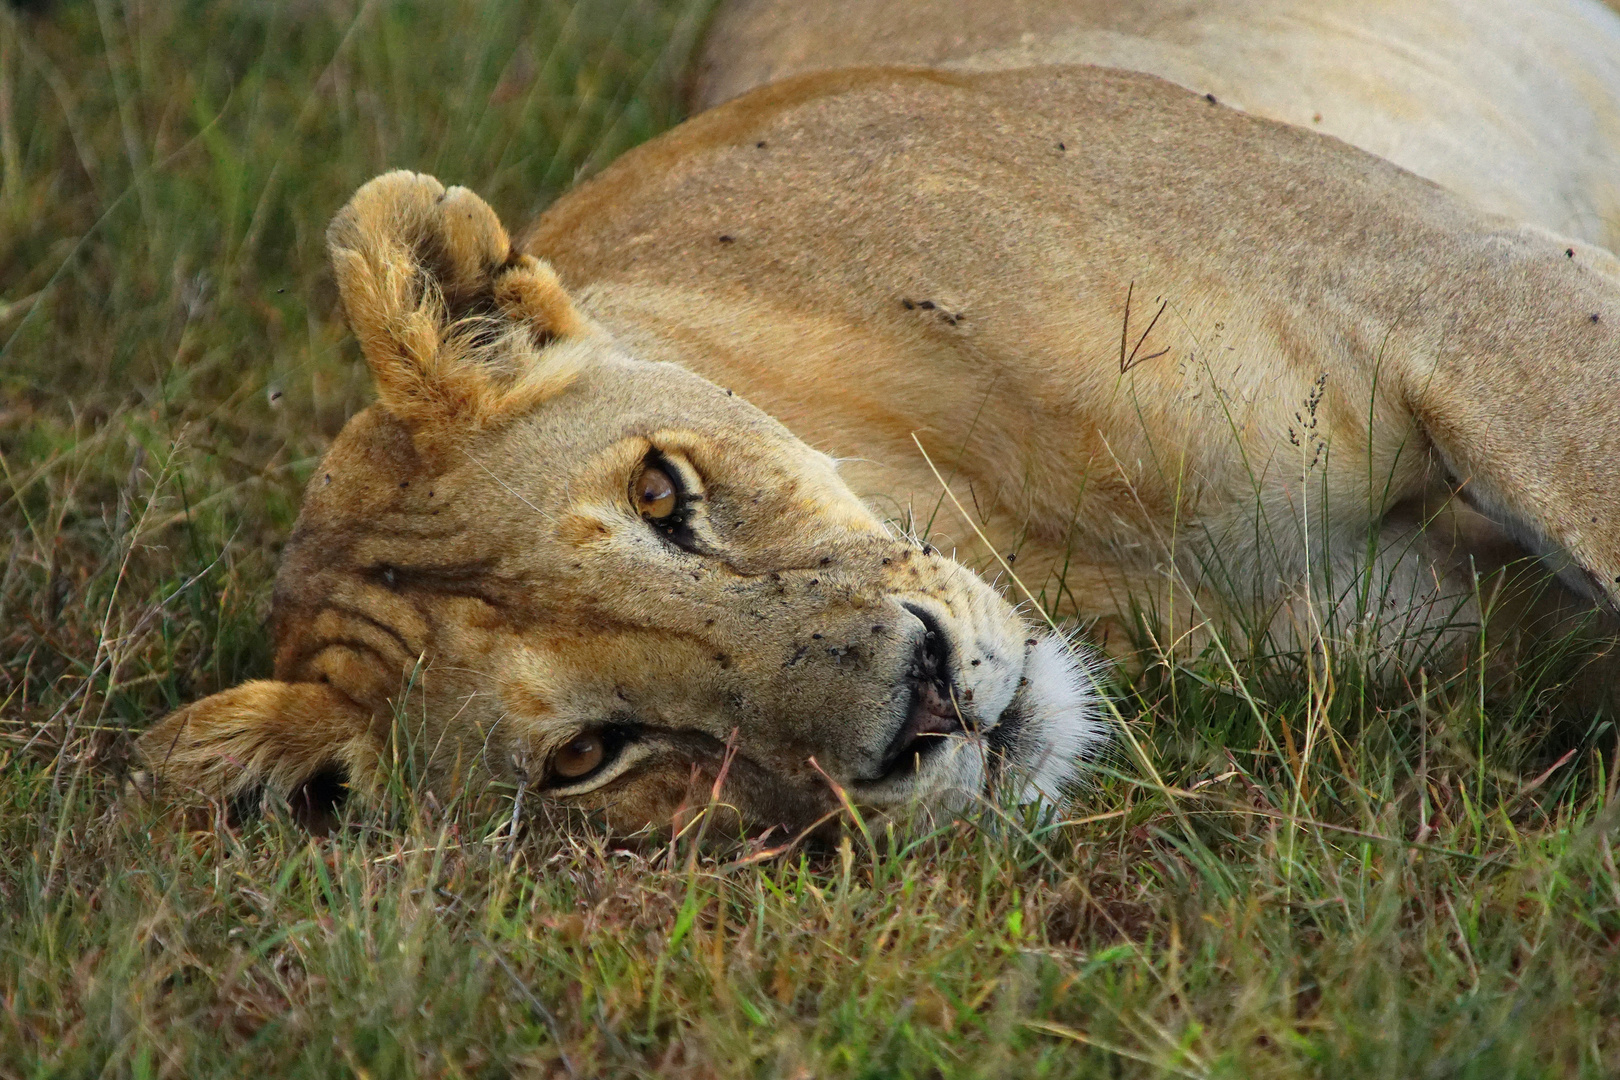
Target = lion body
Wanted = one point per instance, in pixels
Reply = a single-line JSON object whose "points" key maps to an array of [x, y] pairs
{"points": [[877, 256], [1174, 368], [1512, 103]]}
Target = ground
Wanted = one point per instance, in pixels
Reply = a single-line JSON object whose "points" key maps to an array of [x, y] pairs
{"points": [[1278, 875]]}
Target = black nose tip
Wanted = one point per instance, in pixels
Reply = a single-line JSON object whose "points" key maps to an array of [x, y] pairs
{"points": [[934, 713], [930, 667]]}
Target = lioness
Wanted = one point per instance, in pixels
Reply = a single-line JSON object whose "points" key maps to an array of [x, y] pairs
{"points": [[1512, 103], [1163, 351]]}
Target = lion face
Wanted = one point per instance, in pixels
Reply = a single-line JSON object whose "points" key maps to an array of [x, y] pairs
{"points": [[611, 581]]}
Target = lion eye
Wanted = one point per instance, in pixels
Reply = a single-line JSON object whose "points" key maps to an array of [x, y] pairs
{"points": [[580, 757], [655, 493]]}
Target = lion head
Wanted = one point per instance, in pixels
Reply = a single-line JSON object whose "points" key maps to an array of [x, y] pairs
{"points": [[540, 560]]}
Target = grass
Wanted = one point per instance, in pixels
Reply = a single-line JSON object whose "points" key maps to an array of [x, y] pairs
{"points": [[1310, 881]]}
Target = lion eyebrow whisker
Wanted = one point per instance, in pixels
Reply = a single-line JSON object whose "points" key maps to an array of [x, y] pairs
{"points": [[509, 489], [444, 732], [490, 734]]}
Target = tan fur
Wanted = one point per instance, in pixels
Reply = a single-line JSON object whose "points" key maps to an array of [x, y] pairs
{"points": [[1512, 103], [1319, 346]]}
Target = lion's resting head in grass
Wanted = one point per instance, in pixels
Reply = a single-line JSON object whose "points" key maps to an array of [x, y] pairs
{"points": [[540, 559]]}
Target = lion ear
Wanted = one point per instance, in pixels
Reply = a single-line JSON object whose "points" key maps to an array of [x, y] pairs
{"points": [[453, 322], [304, 742]]}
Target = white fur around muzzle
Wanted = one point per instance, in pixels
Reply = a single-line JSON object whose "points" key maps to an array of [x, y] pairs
{"points": [[1065, 723]]}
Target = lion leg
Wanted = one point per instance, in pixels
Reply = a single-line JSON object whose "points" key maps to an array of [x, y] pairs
{"points": [[1386, 591], [304, 742], [1441, 587], [1523, 410], [1398, 601]]}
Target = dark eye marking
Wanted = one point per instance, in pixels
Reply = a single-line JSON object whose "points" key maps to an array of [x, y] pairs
{"points": [[366, 618], [475, 580], [425, 586]]}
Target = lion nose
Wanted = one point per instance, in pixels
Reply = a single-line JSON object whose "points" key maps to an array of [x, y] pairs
{"points": [[934, 714]]}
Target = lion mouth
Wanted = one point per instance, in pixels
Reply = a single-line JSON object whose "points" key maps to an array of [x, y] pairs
{"points": [[1050, 726], [934, 713]]}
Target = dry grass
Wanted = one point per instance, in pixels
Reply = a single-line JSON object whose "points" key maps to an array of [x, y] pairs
{"points": [[1323, 883]]}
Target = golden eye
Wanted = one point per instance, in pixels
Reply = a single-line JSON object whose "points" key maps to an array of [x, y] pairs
{"points": [[580, 757], [655, 494]]}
